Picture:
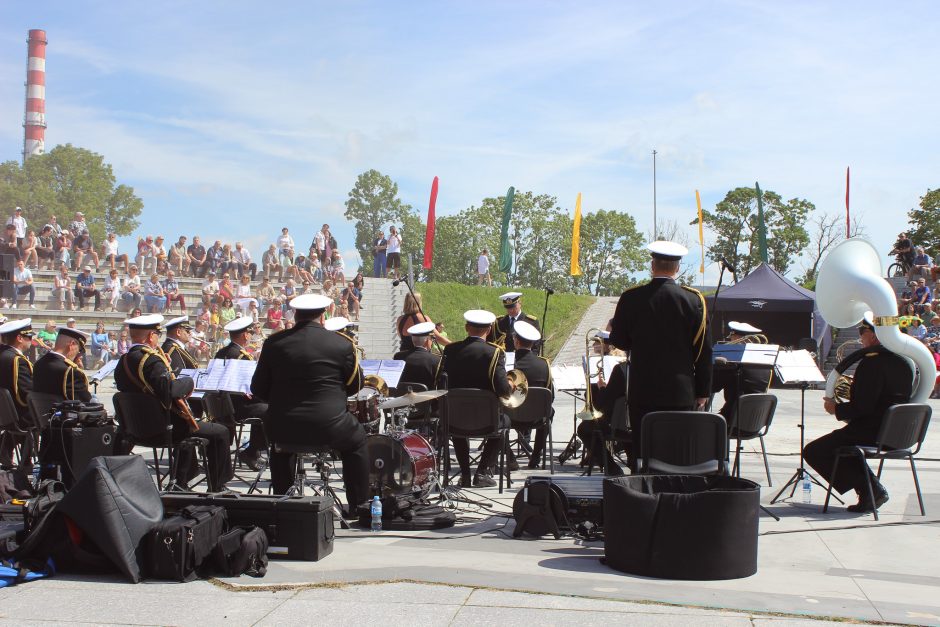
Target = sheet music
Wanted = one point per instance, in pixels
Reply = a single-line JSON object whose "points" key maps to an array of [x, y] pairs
{"points": [[389, 369], [610, 362], [510, 361], [751, 354], [568, 377], [797, 366], [231, 375], [106, 371]]}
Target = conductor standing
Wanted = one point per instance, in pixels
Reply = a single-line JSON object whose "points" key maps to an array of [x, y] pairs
{"points": [[664, 327]]}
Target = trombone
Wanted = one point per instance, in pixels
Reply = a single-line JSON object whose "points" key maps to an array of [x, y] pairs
{"points": [[588, 412]]}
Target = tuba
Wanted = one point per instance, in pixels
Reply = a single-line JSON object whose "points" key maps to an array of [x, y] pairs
{"points": [[850, 284]]}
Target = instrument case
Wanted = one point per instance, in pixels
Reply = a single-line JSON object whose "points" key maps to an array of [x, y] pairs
{"points": [[297, 527]]}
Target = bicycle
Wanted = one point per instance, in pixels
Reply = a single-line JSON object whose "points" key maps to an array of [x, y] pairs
{"points": [[901, 267]]}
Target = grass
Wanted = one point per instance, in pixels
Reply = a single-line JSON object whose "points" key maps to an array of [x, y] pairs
{"points": [[447, 301]]}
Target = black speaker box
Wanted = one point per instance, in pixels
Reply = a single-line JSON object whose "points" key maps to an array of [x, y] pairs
{"points": [[70, 450]]}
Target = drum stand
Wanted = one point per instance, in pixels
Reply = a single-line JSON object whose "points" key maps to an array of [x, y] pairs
{"points": [[323, 465], [801, 471]]}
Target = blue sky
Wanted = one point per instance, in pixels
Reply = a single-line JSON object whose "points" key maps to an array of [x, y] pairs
{"points": [[236, 118]]}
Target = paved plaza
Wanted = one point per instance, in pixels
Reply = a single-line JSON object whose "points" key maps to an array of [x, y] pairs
{"points": [[812, 566]]}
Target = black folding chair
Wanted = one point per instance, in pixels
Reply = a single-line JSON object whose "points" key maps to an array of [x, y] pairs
{"points": [[751, 419], [474, 413], [221, 409], [902, 433], [534, 413], [145, 422], [12, 426], [320, 457], [683, 443], [40, 407]]}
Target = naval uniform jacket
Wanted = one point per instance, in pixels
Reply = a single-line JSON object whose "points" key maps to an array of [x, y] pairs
{"points": [[306, 374], [54, 374], [16, 375], [752, 381], [882, 379], [147, 370], [503, 330], [664, 327], [178, 356], [233, 351], [474, 363], [537, 369], [420, 366]]}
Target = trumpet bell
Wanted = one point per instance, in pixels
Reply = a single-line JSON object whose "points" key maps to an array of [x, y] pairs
{"points": [[521, 388]]}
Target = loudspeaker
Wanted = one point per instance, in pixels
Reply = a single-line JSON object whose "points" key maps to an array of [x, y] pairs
{"points": [[556, 502], [67, 452]]}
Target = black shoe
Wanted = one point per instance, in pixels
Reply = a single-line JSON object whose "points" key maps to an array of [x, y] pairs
{"points": [[465, 481], [865, 506], [482, 481], [512, 465], [613, 468], [250, 459], [533, 465]]}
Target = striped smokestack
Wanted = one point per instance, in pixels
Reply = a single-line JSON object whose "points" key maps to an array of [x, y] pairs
{"points": [[35, 122]]}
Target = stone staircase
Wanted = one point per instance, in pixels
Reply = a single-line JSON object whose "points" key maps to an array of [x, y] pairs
{"points": [[597, 315], [383, 305]]}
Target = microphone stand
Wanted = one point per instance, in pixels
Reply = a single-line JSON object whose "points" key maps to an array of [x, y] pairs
{"points": [[548, 292], [396, 282]]}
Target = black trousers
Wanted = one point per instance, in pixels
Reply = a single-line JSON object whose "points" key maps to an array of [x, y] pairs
{"points": [[217, 452], [592, 434], [820, 454], [82, 293], [541, 435], [637, 411], [344, 435], [490, 450]]}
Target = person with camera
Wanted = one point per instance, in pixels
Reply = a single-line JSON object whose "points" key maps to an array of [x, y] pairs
{"points": [[58, 372], [394, 251]]}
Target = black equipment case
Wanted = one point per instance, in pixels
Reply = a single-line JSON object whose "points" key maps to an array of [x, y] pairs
{"points": [[297, 527]]}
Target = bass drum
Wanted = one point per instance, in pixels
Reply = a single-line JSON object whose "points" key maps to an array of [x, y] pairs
{"points": [[400, 462]]}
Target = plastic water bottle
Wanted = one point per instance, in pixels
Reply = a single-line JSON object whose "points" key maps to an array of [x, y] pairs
{"points": [[807, 490], [376, 513]]}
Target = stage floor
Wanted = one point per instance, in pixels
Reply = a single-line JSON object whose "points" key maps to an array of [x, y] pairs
{"points": [[837, 565]]}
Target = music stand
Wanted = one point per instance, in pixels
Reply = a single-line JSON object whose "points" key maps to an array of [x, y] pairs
{"points": [[799, 368]]}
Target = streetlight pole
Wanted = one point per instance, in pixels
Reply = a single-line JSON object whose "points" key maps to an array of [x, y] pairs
{"points": [[655, 225]]}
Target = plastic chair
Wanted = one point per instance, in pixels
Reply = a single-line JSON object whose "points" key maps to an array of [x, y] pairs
{"points": [[535, 412], [903, 431], [10, 423], [474, 413], [40, 407], [751, 419], [683, 443]]}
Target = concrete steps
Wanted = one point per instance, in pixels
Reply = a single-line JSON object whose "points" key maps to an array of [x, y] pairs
{"points": [[597, 315]]}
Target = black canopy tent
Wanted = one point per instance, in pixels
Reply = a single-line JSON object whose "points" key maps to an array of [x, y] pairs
{"points": [[784, 311]]}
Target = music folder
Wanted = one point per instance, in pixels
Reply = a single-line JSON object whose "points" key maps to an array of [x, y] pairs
{"points": [[797, 366]]}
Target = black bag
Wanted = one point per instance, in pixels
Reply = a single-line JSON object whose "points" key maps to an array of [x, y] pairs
{"points": [[77, 413], [241, 551], [178, 546], [50, 492]]}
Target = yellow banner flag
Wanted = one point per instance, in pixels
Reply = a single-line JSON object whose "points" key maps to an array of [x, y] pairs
{"points": [[576, 239], [701, 232]]}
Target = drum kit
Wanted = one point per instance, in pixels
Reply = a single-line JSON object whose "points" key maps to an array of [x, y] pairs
{"points": [[402, 462]]}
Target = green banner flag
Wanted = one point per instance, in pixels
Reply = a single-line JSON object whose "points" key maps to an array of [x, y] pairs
{"points": [[505, 254], [761, 227]]}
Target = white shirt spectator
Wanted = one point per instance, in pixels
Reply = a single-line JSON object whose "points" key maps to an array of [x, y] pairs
{"points": [[319, 241], [20, 223], [241, 255], [22, 276], [394, 243], [285, 241], [110, 247], [483, 264]]}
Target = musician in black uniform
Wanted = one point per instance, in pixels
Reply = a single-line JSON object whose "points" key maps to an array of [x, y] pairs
{"points": [[145, 369], [538, 374], [420, 363], [603, 396], [16, 375], [502, 332], [882, 379], [58, 371], [750, 379], [178, 332], [663, 326], [476, 363], [305, 374], [240, 332]]}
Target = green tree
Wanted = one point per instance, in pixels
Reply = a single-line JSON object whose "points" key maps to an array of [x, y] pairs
{"points": [[374, 204], [925, 221], [611, 250], [734, 222], [69, 179]]}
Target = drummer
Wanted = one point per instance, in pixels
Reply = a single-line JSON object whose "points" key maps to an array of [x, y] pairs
{"points": [[420, 363]]}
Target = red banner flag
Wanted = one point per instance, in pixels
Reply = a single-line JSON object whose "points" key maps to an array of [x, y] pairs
{"points": [[848, 221], [429, 233]]}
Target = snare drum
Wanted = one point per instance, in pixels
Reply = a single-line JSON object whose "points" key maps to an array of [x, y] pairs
{"points": [[401, 462], [365, 407]]}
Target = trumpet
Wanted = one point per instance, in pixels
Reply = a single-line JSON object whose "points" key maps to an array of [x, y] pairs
{"points": [[588, 412]]}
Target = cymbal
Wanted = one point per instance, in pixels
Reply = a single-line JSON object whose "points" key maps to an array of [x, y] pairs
{"points": [[411, 398]]}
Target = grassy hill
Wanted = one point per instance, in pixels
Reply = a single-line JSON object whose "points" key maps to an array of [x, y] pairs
{"points": [[447, 301]]}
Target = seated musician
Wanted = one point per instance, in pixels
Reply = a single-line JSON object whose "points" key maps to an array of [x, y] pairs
{"points": [[882, 379], [16, 375], [240, 332], [751, 380], [420, 363], [58, 371], [603, 396], [306, 373], [178, 335], [538, 373], [145, 369]]}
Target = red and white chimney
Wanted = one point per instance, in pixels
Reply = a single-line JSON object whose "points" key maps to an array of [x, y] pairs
{"points": [[35, 121]]}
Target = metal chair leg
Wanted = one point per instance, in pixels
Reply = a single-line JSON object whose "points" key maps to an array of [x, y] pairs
{"points": [[548, 451], [920, 498], [881, 464], [835, 469], [736, 469], [763, 451]]}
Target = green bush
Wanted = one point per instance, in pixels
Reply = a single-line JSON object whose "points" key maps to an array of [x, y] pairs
{"points": [[446, 302]]}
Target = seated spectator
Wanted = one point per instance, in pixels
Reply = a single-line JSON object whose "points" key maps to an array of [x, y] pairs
{"points": [[300, 270], [921, 264], [85, 287], [922, 294], [154, 295], [29, 250], [226, 289], [210, 290], [123, 342], [53, 226], [227, 262], [8, 244], [227, 312], [144, 258], [243, 262], [112, 289], [339, 269], [907, 295], [111, 255], [62, 288], [83, 247], [199, 343], [46, 338], [350, 297], [933, 329], [171, 289], [265, 293], [315, 269], [159, 255], [45, 249], [23, 284], [269, 263], [288, 291], [176, 257], [253, 312], [112, 351], [99, 346], [275, 316], [63, 245], [928, 314], [78, 224], [330, 292], [213, 257], [197, 257], [133, 291], [243, 295], [917, 330]]}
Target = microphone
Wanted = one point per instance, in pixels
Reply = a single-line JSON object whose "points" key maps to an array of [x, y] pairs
{"points": [[396, 282], [549, 291], [727, 265]]}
